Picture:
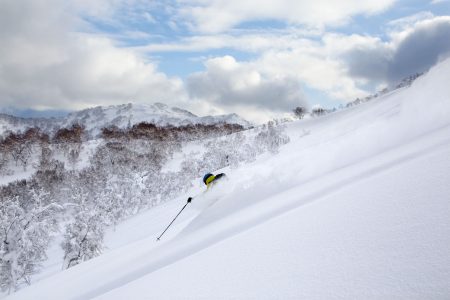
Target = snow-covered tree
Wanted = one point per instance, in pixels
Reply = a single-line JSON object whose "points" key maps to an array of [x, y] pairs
{"points": [[74, 155], [3, 161], [25, 233], [318, 110], [225, 151], [299, 112], [83, 238], [271, 137]]}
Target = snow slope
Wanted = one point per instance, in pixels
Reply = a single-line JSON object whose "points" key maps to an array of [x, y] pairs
{"points": [[356, 206]]}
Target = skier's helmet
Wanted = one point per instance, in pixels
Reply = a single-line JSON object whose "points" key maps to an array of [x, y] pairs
{"points": [[207, 175]]}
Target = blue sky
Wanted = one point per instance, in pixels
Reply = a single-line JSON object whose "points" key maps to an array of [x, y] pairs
{"points": [[258, 58]]}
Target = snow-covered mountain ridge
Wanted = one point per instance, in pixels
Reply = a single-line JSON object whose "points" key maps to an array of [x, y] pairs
{"points": [[121, 116], [17, 124], [356, 206]]}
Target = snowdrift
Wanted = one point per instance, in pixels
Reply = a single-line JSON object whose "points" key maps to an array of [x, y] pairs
{"points": [[356, 206]]}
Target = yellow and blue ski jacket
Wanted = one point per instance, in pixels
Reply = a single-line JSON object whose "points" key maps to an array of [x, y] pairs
{"points": [[210, 179]]}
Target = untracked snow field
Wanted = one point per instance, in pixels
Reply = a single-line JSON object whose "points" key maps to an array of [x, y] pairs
{"points": [[356, 206]]}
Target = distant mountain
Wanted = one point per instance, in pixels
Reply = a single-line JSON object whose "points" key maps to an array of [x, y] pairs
{"points": [[122, 116], [18, 124]]}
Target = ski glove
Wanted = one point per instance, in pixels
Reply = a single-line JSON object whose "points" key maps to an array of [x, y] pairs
{"points": [[189, 200]]}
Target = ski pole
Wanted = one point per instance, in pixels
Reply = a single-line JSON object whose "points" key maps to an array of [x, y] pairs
{"points": [[188, 201]]}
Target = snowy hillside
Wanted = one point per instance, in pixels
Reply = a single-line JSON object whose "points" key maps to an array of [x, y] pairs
{"points": [[122, 116], [356, 206], [16, 124]]}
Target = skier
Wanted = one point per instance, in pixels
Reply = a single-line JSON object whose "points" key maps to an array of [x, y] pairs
{"points": [[210, 180]]}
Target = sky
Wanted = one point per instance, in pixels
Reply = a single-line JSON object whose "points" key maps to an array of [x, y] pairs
{"points": [[257, 58]]}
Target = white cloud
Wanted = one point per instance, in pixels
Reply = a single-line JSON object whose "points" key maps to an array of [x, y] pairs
{"points": [[248, 41], [219, 16], [227, 84], [409, 21], [45, 63], [313, 67], [316, 64], [289, 53], [415, 47], [149, 18], [339, 65], [439, 1]]}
